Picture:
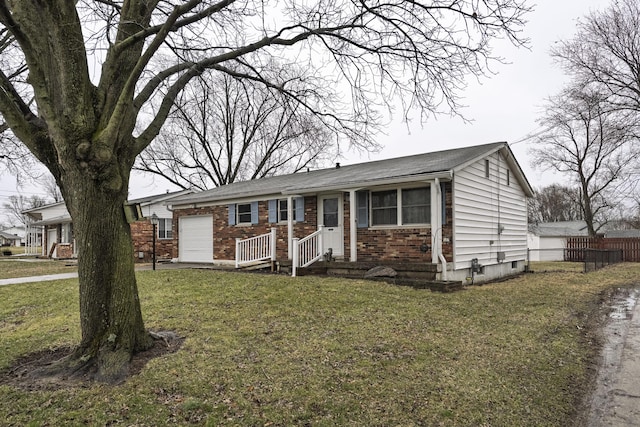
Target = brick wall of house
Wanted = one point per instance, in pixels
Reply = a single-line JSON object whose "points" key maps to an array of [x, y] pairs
{"points": [[142, 239], [224, 236], [392, 244], [64, 250], [400, 244]]}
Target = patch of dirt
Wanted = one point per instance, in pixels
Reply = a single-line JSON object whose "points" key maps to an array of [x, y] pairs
{"points": [[603, 332], [21, 373]]}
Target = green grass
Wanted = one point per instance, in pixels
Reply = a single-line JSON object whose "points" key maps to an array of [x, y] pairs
{"points": [[273, 350], [32, 267], [554, 266]]}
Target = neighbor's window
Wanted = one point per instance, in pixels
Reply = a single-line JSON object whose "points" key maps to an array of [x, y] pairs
{"points": [[486, 168], [244, 213], [416, 206], [384, 207], [165, 228], [508, 177]]}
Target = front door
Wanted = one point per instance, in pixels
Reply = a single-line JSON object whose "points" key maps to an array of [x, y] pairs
{"points": [[331, 217]]}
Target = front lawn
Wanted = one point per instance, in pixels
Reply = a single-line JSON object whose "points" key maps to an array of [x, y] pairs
{"points": [[273, 350], [32, 267]]}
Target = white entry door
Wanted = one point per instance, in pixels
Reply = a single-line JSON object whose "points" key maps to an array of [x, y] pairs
{"points": [[195, 238], [331, 217], [52, 238]]}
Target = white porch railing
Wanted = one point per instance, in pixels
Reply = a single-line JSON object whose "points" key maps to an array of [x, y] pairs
{"points": [[306, 251], [258, 248]]}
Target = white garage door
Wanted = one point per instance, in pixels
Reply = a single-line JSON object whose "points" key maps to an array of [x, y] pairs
{"points": [[195, 239]]}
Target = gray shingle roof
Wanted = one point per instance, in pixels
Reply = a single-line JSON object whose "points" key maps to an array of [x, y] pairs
{"points": [[347, 176]]}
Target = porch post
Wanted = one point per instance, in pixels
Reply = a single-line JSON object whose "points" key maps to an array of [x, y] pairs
{"points": [[353, 227], [436, 220], [290, 227]]}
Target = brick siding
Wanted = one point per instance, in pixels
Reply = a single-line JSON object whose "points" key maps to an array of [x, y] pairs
{"points": [[142, 238], [374, 244]]}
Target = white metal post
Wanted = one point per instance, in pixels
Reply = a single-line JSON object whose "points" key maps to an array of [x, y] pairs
{"points": [[273, 243], [353, 227], [237, 252], [294, 262]]}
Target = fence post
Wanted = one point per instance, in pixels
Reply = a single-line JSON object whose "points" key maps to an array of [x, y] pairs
{"points": [[294, 261]]}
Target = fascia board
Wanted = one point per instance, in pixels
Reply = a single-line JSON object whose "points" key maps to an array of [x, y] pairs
{"points": [[369, 183]]}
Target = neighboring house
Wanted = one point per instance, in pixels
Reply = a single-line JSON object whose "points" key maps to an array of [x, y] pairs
{"points": [[8, 236], [455, 209], [57, 228], [53, 223], [9, 239], [141, 231], [622, 234], [548, 240]]}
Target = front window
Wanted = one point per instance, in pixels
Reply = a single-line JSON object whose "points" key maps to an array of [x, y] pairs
{"points": [[244, 213], [384, 207], [415, 206], [165, 228], [283, 212]]}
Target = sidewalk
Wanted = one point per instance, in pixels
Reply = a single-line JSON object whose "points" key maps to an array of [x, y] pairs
{"points": [[30, 279], [49, 277]]}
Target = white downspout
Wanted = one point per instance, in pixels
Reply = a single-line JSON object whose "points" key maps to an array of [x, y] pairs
{"points": [[290, 227], [353, 227], [436, 221]]}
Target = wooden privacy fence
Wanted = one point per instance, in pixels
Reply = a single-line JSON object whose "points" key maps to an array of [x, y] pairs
{"points": [[576, 246]]}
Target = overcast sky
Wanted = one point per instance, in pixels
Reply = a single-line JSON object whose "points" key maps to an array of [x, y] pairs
{"points": [[503, 108]]}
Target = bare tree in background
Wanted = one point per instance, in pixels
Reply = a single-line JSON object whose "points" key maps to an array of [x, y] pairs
{"points": [[605, 53], [554, 203], [224, 129], [105, 75], [48, 183], [593, 146], [19, 204]]}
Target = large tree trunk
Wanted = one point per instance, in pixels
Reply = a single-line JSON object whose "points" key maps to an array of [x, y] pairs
{"points": [[110, 315]]}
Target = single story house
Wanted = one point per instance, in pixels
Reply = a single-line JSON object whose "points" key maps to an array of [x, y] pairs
{"points": [[463, 210], [58, 241], [547, 241], [9, 237]]}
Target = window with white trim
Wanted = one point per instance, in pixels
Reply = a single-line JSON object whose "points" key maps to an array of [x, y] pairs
{"points": [[414, 205], [283, 211], [165, 228], [384, 207], [244, 213]]}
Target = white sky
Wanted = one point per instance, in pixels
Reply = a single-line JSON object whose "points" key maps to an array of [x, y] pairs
{"points": [[503, 108]]}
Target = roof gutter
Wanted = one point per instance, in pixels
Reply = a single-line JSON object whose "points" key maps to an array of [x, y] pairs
{"points": [[446, 175]]}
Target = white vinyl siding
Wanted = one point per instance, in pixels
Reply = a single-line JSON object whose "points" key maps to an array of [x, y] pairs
{"points": [[489, 215]]}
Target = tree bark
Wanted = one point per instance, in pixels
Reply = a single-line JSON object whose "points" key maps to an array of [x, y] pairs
{"points": [[110, 314]]}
